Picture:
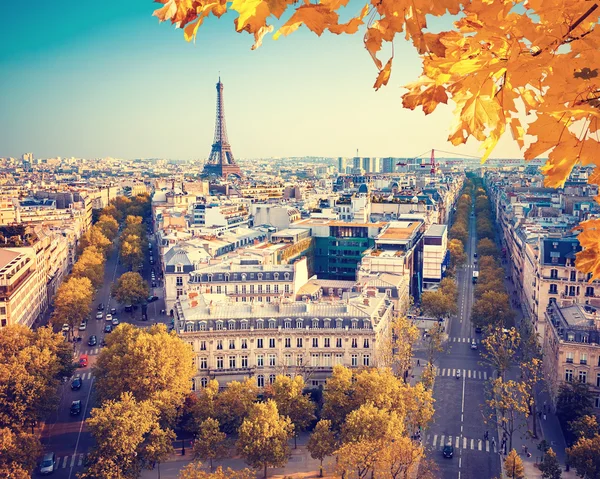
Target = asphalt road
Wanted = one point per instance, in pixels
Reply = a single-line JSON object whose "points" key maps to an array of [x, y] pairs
{"points": [[66, 435], [459, 416]]}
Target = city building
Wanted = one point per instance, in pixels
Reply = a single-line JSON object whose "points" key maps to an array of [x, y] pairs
{"points": [[436, 256]]}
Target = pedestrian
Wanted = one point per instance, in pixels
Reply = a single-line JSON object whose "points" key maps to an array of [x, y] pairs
{"points": [[544, 417], [418, 362]]}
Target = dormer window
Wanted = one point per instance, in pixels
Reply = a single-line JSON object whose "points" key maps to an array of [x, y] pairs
{"points": [[260, 276], [339, 324], [179, 268], [276, 276], [244, 277], [298, 324], [286, 276], [315, 323], [326, 323], [202, 326], [219, 325], [260, 324], [231, 324], [272, 324]]}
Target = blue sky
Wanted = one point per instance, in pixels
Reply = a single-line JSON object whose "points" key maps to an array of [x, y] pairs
{"points": [[96, 79]]}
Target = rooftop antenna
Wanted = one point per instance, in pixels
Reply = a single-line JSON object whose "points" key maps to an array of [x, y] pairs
{"points": [[357, 152]]}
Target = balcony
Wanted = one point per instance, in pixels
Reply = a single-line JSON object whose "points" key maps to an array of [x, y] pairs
{"points": [[569, 360], [583, 361]]}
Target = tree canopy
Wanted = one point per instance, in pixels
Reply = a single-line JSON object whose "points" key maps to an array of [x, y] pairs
{"points": [[130, 288]]}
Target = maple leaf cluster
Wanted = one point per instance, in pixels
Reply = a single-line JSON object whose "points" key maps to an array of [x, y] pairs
{"points": [[527, 65]]}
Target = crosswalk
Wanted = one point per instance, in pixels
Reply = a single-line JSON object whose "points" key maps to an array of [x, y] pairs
{"points": [[454, 339], [438, 441], [467, 373], [70, 461], [82, 376], [90, 352]]}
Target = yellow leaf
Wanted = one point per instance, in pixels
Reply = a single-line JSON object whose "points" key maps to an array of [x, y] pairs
{"points": [[167, 11], [373, 41], [258, 36], [517, 131], [588, 260], [384, 75], [315, 16], [247, 10]]}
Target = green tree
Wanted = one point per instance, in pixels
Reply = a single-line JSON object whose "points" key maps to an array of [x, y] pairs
{"points": [[73, 302], [150, 364], [291, 402], [436, 304], [459, 232], [486, 247], [90, 265], [514, 466], [234, 403], [550, 467], [210, 442], [574, 401], [322, 442], [263, 436], [130, 288], [158, 446], [492, 309], [584, 456], [120, 428]]}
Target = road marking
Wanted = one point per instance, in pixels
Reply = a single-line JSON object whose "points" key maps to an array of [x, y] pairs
{"points": [[72, 461], [464, 442], [442, 440], [434, 440], [87, 401], [457, 442], [472, 444], [454, 372], [469, 373], [484, 375], [80, 460], [65, 459], [487, 446]]}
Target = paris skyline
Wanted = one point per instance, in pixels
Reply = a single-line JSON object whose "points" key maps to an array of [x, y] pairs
{"points": [[112, 81]]}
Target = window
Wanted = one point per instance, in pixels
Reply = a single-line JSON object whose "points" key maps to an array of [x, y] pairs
{"points": [[271, 342], [598, 380], [354, 360], [298, 342], [354, 324], [272, 324], [569, 375], [271, 378], [315, 342], [202, 345], [553, 289], [288, 359], [276, 288], [244, 361], [287, 324], [219, 289], [583, 377], [573, 276], [597, 402], [232, 344], [244, 325], [204, 382], [327, 323], [366, 324], [260, 381], [251, 289], [589, 291], [339, 358], [244, 344], [260, 360], [179, 292], [260, 287], [365, 359], [299, 360], [286, 288], [179, 268], [219, 344], [231, 362], [326, 342], [582, 358], [314, 360], [219, 325], [179, 281], [338, 342], [298, 324], [203, 363], [219, 362], [354, 343], [315, 323], [259, 324], [268, 288], [288, 342], [272, 360], [259, 343], [553, 274], [570, 337], [202, 326], [366, 343], [327, 360], [569, 357], [243, 289], [231, 325]]}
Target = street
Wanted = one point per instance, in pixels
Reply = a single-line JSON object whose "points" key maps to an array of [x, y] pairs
{"points": [[458, 418], [67, 435]]}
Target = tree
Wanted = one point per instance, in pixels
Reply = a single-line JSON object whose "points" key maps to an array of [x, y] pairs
{"points": [[130, 288], [585, 426], [584, 456], [150, 364], [200, 406], [436, 304], [492, 309], [108, 225], [459, 232], [457, 253], [322, 442], [210, 442], [486, 247], [234, 403], [400, 458], [434, 344], [94, 237], [550, 467], [338, 396], [19, 451], [90, 265], [395, 346], [291, 402], [158, 446], [263, 436], [131, 250], [514, 466], [194, 470], [500, 346], [120, 428], [507, 402], [73, 302], [574, 401], [449, 288]]}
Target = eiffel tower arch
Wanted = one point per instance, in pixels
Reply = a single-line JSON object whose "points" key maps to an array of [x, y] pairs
{"points": [[220, 161]]}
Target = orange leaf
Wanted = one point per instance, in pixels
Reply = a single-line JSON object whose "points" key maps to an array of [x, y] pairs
{"points": [[167, 11], [258, 36], [384, 75], [316, 17], [588, 260]]}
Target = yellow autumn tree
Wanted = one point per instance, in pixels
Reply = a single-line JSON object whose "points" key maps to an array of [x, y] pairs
{"points": [[529, 66]]}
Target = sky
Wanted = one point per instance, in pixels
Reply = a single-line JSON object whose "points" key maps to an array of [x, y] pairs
{"points": [[105, 79]]}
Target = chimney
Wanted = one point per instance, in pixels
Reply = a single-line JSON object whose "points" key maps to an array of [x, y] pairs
{"points": [[366, 301]]}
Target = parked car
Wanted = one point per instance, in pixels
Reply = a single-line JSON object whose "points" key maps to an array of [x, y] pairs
{"points": [[107, 328], [99, 315], [128, 308], [154, 284], [65, 328], [478, 329], [113, 311], [48, 464], [151, 299], [109, 317], [82, 326], [448, 451], [115, 322], [83, 361], [93, 340], [76, 408], [76, 383], [474, 255], [473, 345], [100, 307]]}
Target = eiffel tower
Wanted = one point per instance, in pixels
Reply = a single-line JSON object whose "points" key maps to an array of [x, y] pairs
{"points": [[220, 161]]}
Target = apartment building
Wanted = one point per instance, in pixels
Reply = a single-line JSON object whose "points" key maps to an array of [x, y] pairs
{"points": [[435, 255], [235, 341], [571, 347]]}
